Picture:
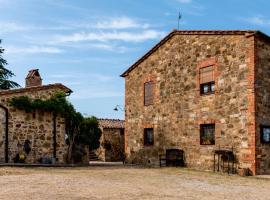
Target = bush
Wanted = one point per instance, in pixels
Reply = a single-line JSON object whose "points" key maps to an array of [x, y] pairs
{"points": [[89, 133]]}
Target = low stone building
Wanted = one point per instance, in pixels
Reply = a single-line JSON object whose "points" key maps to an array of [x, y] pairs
{"points": [[201, 91], [112, 140], [36, 135]]}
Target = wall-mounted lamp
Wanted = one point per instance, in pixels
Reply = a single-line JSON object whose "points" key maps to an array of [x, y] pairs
{"points": [[118, 107]]}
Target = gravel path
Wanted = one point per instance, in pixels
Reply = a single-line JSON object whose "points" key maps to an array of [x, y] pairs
{"points": [[127, 183]]}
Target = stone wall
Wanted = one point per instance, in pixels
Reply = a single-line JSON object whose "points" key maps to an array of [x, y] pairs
{"points": [[262, 103], [114, 137], [36, 127], [179, 109]]}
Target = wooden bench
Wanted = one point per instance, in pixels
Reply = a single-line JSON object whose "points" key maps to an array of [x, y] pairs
{"points": [[173, 157]]}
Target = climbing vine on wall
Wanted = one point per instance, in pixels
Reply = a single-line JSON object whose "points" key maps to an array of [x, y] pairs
{"points": [[80, 130], [57, 104]]}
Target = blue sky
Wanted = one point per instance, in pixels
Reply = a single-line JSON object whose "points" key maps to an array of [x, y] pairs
{"points": [[86, 45]]}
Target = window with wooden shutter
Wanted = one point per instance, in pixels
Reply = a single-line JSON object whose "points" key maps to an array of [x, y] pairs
{"points": [[207, 81], [149, 93]]}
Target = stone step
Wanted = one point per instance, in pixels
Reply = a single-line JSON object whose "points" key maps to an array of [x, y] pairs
{"points": [[93, 156]]}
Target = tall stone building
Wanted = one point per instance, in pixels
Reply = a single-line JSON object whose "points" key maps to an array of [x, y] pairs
{"points": [[37, 135], [200, 91]]}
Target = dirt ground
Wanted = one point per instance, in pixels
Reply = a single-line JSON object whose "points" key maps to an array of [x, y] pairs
{"points": [[127, 183]]}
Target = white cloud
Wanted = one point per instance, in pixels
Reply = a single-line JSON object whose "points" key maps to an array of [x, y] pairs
{"points": [[90, 94], [184, 1], [81, 76], [63, 76], [110, 36], [32, 50], [8, 27], [116, 48], [258, 20], [120, 23]]}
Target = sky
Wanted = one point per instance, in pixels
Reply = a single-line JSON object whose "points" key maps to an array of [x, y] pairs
{"points": [[87, 44]]}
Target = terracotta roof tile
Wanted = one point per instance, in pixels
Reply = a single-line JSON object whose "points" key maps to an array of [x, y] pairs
{"points": [[111, 123], [36, 88]]}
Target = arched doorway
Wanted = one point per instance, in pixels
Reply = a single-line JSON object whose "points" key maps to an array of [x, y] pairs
{"points": [[3, 134]]}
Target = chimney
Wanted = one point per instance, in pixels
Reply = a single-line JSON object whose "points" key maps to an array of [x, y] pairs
{"points": [[33, 78]]}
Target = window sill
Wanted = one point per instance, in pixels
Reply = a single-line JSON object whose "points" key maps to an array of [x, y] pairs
{"points": [[266, 143], [206, 94], [207, 144], [148, 105], [148, 145]]}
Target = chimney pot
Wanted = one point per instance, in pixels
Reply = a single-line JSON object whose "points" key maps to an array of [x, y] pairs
{"points": [[33, 78]]}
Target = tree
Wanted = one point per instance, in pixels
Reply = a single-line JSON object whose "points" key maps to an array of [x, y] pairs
{"points": [[83, 132], [5, 74], [90, 133]]}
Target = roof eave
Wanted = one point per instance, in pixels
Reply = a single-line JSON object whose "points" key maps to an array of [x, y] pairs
{"points": [[191, 32]]}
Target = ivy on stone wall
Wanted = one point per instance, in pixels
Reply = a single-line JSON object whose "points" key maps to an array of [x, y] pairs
{"points": [[57, 104], [80, 130]]}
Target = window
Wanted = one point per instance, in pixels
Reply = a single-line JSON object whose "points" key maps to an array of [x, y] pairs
{"points": [[148, 93], [207, 136], [265, 134], [207, 83], [148, 136], [122, 131]]}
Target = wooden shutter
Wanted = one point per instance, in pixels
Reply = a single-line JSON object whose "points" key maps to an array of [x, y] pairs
{"points": [[206, 74], [148, 93]]}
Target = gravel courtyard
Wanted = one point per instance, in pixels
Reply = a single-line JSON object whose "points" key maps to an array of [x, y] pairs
{"points": [[127, 183]]}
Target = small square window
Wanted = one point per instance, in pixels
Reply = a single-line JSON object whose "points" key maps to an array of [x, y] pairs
{"points": [[148, 136], [207, 134], [208, 88], [265, 134]]}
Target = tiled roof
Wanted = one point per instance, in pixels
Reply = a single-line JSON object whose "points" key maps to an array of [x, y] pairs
{"points": [[193, 32], [111, 123], [36, 88]]}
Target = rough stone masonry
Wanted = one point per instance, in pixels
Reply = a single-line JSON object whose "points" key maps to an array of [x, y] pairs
{"points": [[238, 107], [36, 129]]}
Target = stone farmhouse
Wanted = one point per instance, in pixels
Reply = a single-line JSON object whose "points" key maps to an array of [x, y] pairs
{"points": [[112, 140], [200, 91], [39, 134]]}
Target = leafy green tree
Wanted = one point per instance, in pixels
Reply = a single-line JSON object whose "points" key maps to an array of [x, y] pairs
{"points": [[90, 133], [5, 74], [86, 133]]}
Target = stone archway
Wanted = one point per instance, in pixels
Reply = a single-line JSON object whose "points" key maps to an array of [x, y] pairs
{"points": [[3, 134]]}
